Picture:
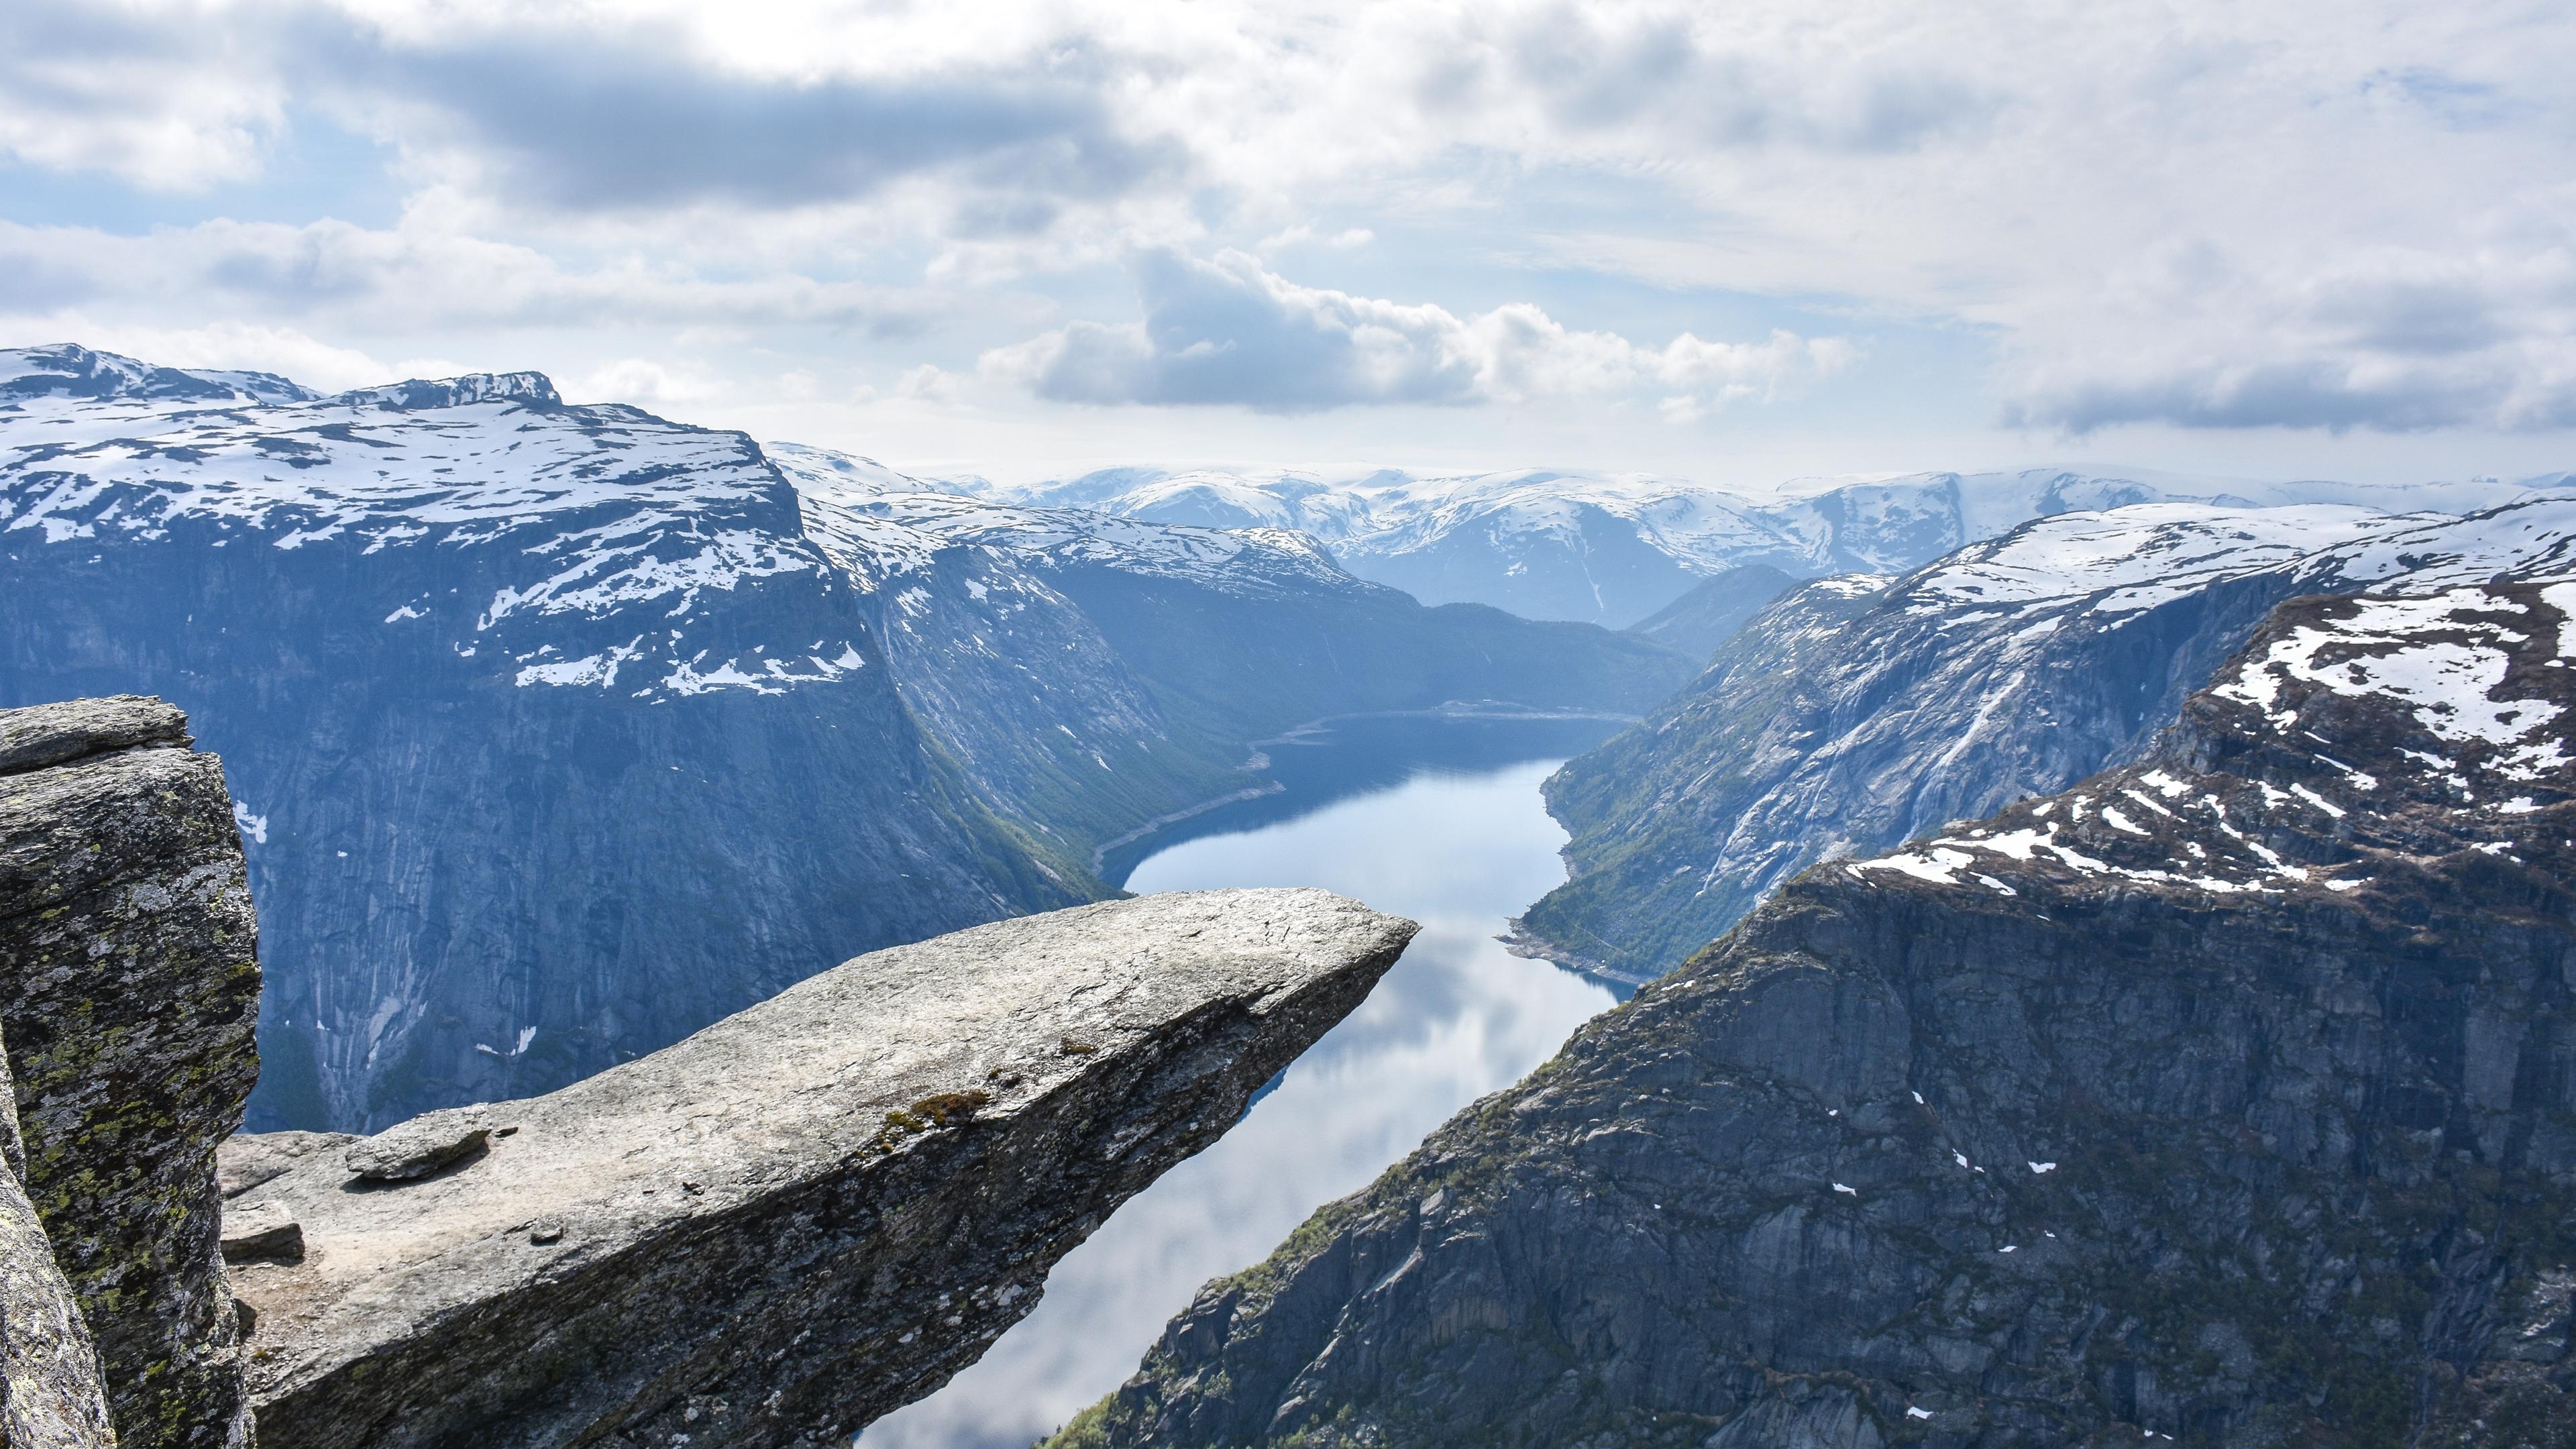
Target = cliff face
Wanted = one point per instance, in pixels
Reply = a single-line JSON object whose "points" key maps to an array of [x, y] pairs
{"points": [[128, 990], [2225, 1097], [50, 1394], [798, 1219]]}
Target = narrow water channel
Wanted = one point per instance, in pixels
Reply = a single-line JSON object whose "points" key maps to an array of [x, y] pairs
{"points": [[1434, 818]]}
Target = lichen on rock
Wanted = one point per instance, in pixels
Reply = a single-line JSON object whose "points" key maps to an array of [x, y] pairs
{"points": [[50, 1394], [128, 988]]}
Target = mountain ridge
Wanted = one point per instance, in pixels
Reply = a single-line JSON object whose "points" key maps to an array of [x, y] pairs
{"points": [[1615, 548], [1860, 712], [2220, 1097]]}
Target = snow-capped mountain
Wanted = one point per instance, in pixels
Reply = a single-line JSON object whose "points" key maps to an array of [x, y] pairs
{"points": [[561, 731], [1864, 710], [1615, 548]]}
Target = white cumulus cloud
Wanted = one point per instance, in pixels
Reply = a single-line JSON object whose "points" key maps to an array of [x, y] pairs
{"points": [[1230, 331]]}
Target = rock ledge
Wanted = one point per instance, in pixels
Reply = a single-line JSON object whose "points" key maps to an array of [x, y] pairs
{"points": [[808, 1214]]}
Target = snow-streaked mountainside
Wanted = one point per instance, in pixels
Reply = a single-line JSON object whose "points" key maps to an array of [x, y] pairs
{"points": [[1615, 548], [2221, 1099], [866, 499], [1861, 711], [560, 731]]}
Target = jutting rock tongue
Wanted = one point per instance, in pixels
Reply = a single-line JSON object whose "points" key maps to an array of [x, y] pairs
{"points": [[128, 989], [2222, 1098], [802, 1217]]}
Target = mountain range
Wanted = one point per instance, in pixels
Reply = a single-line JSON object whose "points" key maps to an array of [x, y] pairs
{"points": [[560, 731], [1863, 710], [1614, 549]]}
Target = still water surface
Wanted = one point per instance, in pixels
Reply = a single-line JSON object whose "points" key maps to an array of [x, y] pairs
{"points": [[1436, 819]]}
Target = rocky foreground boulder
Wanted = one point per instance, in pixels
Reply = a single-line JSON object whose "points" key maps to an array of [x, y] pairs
{"points": [[2228, 1098], [128, 991], [50, 1393], [798, 1219]]}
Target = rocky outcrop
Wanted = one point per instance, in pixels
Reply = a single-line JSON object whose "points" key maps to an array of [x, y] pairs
{"points": [[2224, 1098], [803, 1216], [128, 990], [50, 1395]]}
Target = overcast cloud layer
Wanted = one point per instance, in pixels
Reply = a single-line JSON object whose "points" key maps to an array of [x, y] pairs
{"points": [[1605, 234]]}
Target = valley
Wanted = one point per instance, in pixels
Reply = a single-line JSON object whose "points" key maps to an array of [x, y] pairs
{"points": [[1436, 819], [563, 742]]}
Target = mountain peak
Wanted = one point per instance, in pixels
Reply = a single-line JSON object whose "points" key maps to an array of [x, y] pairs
{"points": [[530, 389], [70, 370]]}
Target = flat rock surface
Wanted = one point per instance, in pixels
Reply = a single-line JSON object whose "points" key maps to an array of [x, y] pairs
{"points": [[247, 1159], [52, 734], [804, 1215]]}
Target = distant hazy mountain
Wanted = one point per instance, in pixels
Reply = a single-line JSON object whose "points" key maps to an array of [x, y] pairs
{"points": [[561, 731], [1861, 711], [1615, 548], [1707, 616]]}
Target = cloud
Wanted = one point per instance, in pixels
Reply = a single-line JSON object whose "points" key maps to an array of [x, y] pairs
{"points": [[2388, 339], [1302, 235], [2149, 211], [122, 91], [1593, 71], [929, 383], [634, 121], [643, 382], [416, 274], [563, 108], [1231, 332]]}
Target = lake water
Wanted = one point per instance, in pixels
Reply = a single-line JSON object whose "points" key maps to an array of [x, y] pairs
{"points": [[1430, 817]]}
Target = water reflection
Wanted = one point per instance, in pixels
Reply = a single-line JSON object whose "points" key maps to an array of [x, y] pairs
{"points": [[1453, 835]]}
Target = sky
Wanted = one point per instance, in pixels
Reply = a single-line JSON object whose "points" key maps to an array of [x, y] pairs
{"points": [[1733, 243]]}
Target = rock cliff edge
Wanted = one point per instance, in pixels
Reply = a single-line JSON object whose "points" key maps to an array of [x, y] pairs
{"points": [[798, 1219]]}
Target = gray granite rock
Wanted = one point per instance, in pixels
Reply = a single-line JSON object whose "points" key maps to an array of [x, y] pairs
{"points": [[53, 734], [128, 987], [50, 1394], [267, 1231], [247, 1159], [809, 1213], [420, 1146]]}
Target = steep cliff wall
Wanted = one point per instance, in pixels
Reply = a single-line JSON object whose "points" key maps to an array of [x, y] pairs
{"points": [[50, 1394], [2224, 1098], [128, 990], [798, 1219]]}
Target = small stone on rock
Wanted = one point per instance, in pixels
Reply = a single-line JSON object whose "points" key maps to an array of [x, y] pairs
{"points": [[262, 1233], [420, 1146]]}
